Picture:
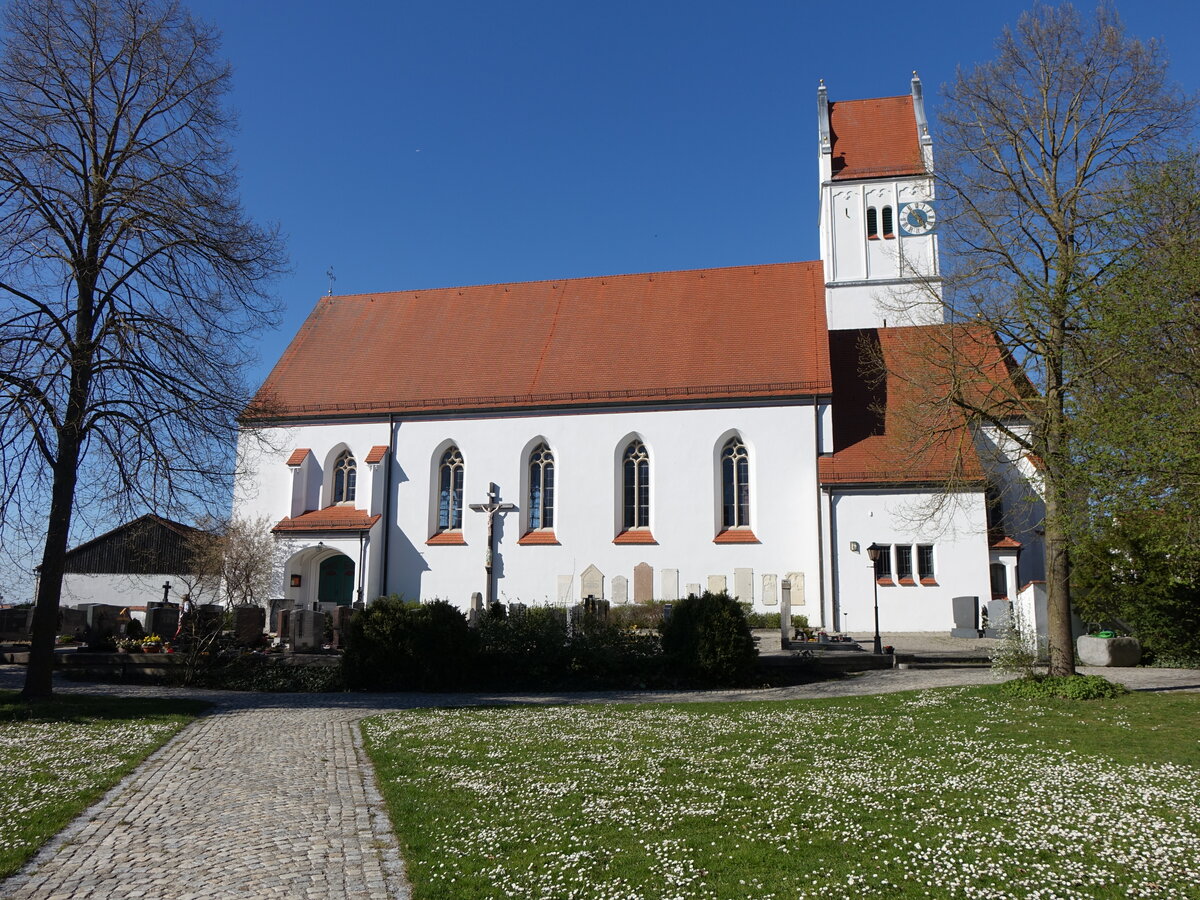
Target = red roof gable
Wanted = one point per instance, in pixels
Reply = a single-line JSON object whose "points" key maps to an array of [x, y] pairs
{"points": [[377, 454], [886, 430], [298, 456], [745, 332], [875, 138]]}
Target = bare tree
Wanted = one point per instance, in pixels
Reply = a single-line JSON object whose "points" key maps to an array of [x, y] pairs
{"points": [[1037, 151], [129, 273]]}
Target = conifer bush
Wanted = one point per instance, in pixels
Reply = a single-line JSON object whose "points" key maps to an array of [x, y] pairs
{"points": [[394, 644]]}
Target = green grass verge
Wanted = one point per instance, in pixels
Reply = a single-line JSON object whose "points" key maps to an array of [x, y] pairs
{"points": [[948, 793], [58, 757]]}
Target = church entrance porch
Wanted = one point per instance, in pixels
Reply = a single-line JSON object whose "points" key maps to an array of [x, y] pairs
{"points": [[321, 574]]}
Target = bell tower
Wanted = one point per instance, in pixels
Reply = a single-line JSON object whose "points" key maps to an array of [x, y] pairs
{"points": [[879, 242]]}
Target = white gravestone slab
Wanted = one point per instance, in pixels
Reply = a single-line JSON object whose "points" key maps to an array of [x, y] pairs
{"points": [[743, 585], [797, 580], [770, 590], [670, 585], [591, 583], [564, 588], [693, 590], [620, 586], [717, 583]]}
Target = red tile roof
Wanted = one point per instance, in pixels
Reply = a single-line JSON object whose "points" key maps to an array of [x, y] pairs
{"points": [[298, 456], [1005, 543], [332, 518], [745, 332], [376, 455], [875, 138], [900, 429]]}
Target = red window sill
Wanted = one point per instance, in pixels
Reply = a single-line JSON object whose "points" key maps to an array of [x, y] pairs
{"points": [[736, 536], [885, 582], [543, 536], [872, 237], [635, 536], [447, 537], [908, 581], [889, 237], [931, 582]]}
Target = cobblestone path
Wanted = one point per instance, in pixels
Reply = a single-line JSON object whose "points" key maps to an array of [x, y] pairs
{"points": [[274, 801]]}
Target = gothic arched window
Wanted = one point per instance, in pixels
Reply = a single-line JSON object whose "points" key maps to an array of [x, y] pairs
{"points": [[541, 488], [636, 467], [735, 484], [345, 476], [450, 490]]}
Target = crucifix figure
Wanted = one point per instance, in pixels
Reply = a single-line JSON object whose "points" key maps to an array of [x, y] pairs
{"points": [[492, 507]]}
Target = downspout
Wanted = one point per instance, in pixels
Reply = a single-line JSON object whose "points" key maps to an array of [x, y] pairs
{"points": [[820, 529], [362, 538], [387, 507]]}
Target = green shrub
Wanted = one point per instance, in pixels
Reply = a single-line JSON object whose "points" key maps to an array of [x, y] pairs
{"points": [[706, 640], [647, 616], [397, 645], [1070, 687], [257, 673], [526, 648]]}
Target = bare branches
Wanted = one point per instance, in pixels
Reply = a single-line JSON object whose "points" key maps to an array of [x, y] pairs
{"points": [[129, 274]]}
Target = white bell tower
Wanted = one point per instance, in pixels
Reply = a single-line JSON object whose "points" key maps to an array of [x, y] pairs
{"points": [[879, 242]]}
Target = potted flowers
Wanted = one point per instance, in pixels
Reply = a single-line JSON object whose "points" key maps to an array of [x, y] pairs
{"points": [[152, 643]]}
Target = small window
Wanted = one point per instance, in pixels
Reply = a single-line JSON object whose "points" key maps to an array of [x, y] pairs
{"points": [[999, 581], [925, 562], [887, 222], [872, 224], [345, 478], [883, 565], [450, 491], [541, 488], [735, 484], [904, 561], [636, 468]]}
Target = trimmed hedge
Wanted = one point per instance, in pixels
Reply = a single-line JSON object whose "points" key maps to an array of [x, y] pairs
{"points": [[706, 640]]}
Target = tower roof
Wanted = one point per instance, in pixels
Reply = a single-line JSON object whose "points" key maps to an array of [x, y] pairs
{"points": [[699, 335], [875, 138]]}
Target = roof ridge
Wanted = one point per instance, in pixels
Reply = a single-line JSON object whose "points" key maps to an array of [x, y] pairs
{"points": [[454, 287]]}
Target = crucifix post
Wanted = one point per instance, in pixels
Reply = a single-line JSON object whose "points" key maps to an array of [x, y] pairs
{"points": [[492, 507]]}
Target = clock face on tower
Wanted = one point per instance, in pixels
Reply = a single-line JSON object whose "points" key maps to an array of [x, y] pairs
{"points": [[918, 218]]}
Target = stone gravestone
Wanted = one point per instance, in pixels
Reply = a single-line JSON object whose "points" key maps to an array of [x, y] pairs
{"points": [[248, 624], [717, 584], [564, 589], [70, 621], [591, 583], [693, 590], [797, 580], [669, 579], [643, 583], [162, 619], [770, 590], [743, 585], [341, 624], [15, 624], [476, 610], [283, 624], [103, 622], [620, 586], [998, 612], [308, 629], [966, 617], [785, 614]]}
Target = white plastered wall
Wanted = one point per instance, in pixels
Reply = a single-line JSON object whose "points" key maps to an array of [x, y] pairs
{"points": [[956, 526], [683, 443]]}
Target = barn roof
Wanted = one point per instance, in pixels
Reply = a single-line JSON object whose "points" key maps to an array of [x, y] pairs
{"points": [[746, 332]]}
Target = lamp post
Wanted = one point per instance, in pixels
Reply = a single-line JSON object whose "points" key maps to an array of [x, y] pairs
{"points": [[874, 552]]}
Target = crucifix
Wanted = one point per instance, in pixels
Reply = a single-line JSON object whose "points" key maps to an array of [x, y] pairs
{"points": [[332, 279], [492, 507]]}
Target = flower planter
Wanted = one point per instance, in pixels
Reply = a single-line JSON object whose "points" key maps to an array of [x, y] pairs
{"points": [[1109, 652]]}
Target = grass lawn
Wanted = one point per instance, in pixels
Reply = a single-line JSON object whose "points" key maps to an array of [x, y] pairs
{"points": [[59, 757], [949, 793]]}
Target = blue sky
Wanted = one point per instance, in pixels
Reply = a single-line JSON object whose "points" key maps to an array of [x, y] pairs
{"points": [[416, 145]]}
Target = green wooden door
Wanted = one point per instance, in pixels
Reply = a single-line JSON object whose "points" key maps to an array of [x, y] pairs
{"points": [[337, 581]]}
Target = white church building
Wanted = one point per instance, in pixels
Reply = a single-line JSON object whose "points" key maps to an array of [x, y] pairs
{"points": [[651, 435]]}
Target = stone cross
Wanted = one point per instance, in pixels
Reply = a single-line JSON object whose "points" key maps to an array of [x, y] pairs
{"points": [[492, 507]]}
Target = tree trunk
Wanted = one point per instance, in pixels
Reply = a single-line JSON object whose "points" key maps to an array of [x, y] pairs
{"points": [[39, 673], [1058, 587]]}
